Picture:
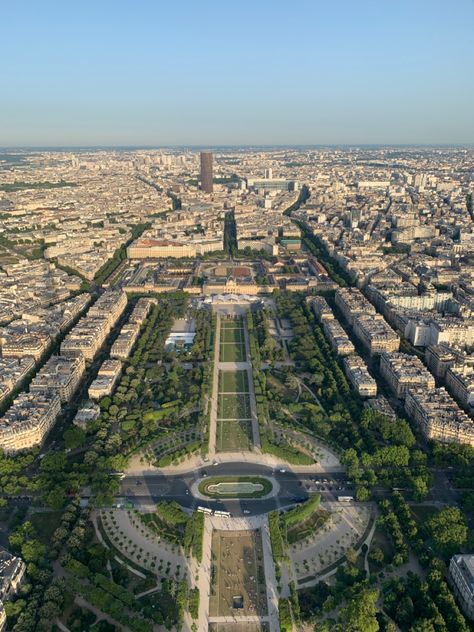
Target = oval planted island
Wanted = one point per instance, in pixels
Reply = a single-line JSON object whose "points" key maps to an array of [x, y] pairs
{"points": [[235, 487]]}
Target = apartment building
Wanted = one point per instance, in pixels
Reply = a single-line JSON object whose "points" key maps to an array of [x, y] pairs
{"points": [[109, 306], [12, 572], [337, 338], [438, 416], [123, 345], [321, 309], [141, 310], [359, 376], [61, 374], [106, 379], [352, 303], [402, 371], [12, 372], [375, 334], [87, 337], [460, 383], [461, 579], [89, 334], [27, 422], [20, 344], [440, 357]]}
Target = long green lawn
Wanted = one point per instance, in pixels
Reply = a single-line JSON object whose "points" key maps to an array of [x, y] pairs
{"points": [[233, 406], [232, 352], [232, 335], [234, 436], [232, 323], [233, 382]]}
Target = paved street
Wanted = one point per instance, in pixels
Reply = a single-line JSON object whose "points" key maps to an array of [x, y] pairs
{"points": [[149, 488]]}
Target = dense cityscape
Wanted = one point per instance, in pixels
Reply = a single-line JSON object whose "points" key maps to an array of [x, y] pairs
{"points": [[237, 389]]}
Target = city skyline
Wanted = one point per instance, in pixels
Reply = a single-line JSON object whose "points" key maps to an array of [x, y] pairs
{"points": [[204, 75]]}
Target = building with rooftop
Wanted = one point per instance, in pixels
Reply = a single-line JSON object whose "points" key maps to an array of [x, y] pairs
{"points": [[438, 416], [124, 342], [440, 357], [61, 374], [461, 579], [27, 422], [12, 572], [402, 371], [337, 337], [460, 383], [375, 334], [12, 372], [352, 303], [106, 379], [359, 376]]}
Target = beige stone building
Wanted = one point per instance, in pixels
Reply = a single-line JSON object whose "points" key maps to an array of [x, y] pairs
{"points": [[60, 374], [438, 416], [402, 371], [375, 334], [359, 376], [27, 422]]}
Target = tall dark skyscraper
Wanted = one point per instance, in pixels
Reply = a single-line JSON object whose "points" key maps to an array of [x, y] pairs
{"points": [[206, 171]]}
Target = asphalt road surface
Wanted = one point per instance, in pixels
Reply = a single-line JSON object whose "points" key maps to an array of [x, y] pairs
{"points": [[148, 489]]}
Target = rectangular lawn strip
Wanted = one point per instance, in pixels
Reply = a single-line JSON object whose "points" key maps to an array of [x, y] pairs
{"points": [[233, 382], [232, 352], [234, 406], [234, 436], [232, 335], [237, 575], [231, 323]]}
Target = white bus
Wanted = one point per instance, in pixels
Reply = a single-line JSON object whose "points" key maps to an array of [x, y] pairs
{"points": [[205, 510], [225, 514]]}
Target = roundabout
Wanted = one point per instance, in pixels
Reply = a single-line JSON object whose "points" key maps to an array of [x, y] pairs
{"points": [[235, 487]]}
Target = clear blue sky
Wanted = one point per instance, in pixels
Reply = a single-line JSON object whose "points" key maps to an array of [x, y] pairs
{"points": [[245, 72]]}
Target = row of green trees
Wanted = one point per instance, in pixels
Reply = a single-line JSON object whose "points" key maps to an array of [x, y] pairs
{"points": [[268, 443], [119, 255], [375, 449]]}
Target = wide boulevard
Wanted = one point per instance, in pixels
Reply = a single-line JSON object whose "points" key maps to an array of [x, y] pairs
{"points": [[149, 488]]}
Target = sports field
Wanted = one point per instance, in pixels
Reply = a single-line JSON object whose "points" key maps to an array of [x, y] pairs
{"points": [[237, 575], [232, 341]]}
